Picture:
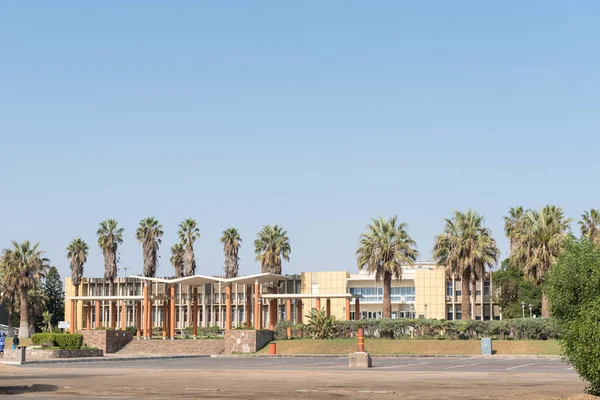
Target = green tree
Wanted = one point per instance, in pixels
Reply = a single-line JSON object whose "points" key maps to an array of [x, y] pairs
{"points": [[231, 244], [55, 296], [149, 234], [465, 249], [590, 225], [188, 234], [110, 236], [177, 252], [513, 289], [543, 241], [573, 289], [23, 266], [272, 244], [77, 252], [383, 249], [514, 226]]}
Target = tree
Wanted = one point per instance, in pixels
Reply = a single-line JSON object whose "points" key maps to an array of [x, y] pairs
{"points": [[590, 225], [177, 252], [231, 244], [513, 226], [22, 266], [543, 241], [77, 252], [9, 298], [55, 296], [271, 246], [188, 234], [149, 234], [513, 289], [36, 299], [383, 248], [110, 236], [465, 249], [573, 289]]}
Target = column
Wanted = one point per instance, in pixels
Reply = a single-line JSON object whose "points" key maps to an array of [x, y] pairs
{"points": [[328, 307], [123, 315], [172, 311], [89, 316], [113, 314], [318, 304], [347, 309], [491, 298], [248, 306], [97, 314], [299, 312], [73, 317], [165, 319], [357, 309], [145, 312], [138, 319], [195, 310], [256, 306], [228, 307], [288, 316], [453, 297]]}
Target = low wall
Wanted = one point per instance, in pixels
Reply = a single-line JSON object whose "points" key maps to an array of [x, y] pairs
{"points": [[177, 346], [109, 341], [246, 341], [43, 354]]}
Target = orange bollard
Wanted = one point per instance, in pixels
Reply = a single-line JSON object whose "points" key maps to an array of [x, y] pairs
{"points": [[272, 348], [289, 332], [361, 340]]}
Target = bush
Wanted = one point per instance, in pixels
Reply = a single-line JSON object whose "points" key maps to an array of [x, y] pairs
{"points": [[61, 340], [320, 326], [132, 329], [573, 289], [208, 333]]}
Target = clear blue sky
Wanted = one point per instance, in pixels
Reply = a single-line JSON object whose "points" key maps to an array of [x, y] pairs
{"points": [[312, 115]]}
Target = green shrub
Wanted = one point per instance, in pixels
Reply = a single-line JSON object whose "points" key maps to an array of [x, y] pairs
{"points": [[132, 329], [61, 340], [209, 333], [320, 326], [573, 289]]}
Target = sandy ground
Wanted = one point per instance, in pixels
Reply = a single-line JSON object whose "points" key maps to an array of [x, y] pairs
{"points": [[132, 383]]}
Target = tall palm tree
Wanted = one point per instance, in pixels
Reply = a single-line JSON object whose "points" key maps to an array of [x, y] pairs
{"points": [[543, 242], [590, 225], [271, 245], [465, 249], [513, 226], [383, 249], [149, 234], [110, 236], [231, 244], [77, 252], [177, 252], [22, 266], [188, 234]]}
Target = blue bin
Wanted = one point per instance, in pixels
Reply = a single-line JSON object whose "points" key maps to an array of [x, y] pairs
{"points": [[486, 346]]}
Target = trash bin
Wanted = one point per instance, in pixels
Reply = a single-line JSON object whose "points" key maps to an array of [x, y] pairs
{"points": [[486, 346], [20, 354]]}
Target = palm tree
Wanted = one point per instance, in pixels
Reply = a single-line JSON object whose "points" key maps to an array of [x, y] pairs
{"points": [[465, 249], [513, 226], [110, 236], [590, 225], [149, 234], [271, 245], [542, 244], [22, 266], [383, 249], [177, 252], [77, 252], [188, 234], [231, 244]]}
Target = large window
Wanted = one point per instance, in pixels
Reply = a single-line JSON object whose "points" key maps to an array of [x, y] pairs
{"points": [[486, 288], [314, 289], [370, 295], [448, 288], [403, 294]]}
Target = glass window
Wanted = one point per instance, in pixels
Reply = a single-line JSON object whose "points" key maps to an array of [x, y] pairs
{"points": [[449, 288], [486, 288], [314, 288]]}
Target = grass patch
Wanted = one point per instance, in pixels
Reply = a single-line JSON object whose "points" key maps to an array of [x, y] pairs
{"points": [[411, 347]]}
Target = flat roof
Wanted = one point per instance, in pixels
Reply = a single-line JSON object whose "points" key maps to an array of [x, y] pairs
{"points": [[197, 280], [105, 298], [310, 296]]}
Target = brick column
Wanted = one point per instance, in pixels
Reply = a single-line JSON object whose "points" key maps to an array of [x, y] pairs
{"points": [[123, 315], [88, 321], [357, 309], [328, 307], [138, 319], [248, 306], [299, 313], [97, 314], [228, 307], [172, 311], [73, 317], [195, 311], [318, 305], [256, 307], [347, 309]]}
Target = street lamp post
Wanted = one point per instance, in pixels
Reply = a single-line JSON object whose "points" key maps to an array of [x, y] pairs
{"points": [[523, 308], [530, 309]]}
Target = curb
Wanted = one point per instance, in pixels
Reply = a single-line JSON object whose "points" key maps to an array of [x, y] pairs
{"points": [[103, 359], [497, 356]]}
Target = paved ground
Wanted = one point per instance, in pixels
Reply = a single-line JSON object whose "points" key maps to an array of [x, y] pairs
{"points": [[303, 378]]}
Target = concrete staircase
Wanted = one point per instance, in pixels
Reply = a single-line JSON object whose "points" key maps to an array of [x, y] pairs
{"points": [[178, 346]]}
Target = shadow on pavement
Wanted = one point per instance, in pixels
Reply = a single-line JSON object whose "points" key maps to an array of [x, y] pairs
{"points": [[27, 389]]}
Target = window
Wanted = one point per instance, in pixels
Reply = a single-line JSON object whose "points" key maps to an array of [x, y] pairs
{"points": [[458, 312], [403, 294], [458, 286], [314, 289], [486, 288], [370, 295], [449, 288], [449, 315]]}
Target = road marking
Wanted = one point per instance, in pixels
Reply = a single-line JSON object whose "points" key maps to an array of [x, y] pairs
{"points": [[402, 365], [519, 366], [462, 366], [377, 391]]}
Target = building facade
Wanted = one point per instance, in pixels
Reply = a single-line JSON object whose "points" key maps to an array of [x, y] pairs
{"points": [[424, 291]]}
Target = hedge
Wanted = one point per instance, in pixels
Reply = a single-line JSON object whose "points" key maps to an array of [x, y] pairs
{"points": [[517, 329], [62, 340]]}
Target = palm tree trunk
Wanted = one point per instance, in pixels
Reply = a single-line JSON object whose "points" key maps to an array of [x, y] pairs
{"points": [[387, 301], [11, 314], [24, 324], [74, 322], [473, 299], [465, 301], [545, 306]]}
